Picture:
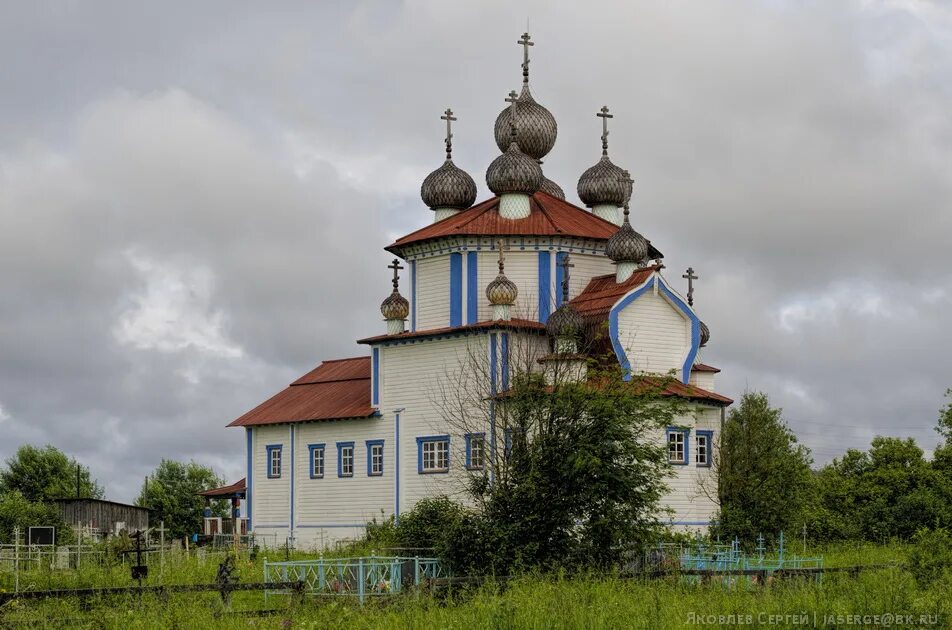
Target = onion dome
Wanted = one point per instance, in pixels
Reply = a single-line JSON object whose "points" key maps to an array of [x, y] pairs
{"points": [[627, 245], [551, 188], [513, 172], [705, 334], [448, 186], [605, 183], [395, 306], [565, 322], [536, 128], [502, 291]]}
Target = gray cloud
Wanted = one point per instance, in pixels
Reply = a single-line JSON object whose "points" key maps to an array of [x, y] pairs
{"points": [[194, 200]]}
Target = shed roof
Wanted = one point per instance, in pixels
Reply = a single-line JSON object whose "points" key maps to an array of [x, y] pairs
{"points": [[237, 488], [334, 390]]}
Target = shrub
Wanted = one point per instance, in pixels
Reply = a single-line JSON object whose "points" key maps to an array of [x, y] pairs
{"points": [[931, 556], [429, 524]]}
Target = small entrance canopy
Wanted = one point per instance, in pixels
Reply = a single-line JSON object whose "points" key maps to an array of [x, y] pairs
{"points": [[234, 491]]}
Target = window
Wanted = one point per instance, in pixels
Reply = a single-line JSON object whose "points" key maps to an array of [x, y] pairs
{"points": [[345, 459], [475, 451], [703, 443], [514, 438], [274, 461], [678, 446], [317, 460], [433, 454], [374, 458]]}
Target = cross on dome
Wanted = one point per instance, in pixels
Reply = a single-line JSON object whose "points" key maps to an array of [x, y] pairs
{"points": [[449, 118], [395, 265], [690, 277], [500, 245], [512, 99], [565, 265], [525, 43], [604, 115]]}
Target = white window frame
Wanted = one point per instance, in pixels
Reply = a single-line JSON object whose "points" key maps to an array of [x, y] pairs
{"points": [[434, 454], [677, 437]]}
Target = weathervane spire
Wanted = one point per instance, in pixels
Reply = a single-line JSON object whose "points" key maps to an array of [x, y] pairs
{"points": [[525, 43], [449, 118], [604, 115]]}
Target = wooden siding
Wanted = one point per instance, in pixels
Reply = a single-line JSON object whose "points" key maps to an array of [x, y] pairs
{"points": [[270, 497], [692, 488], [433, 292], [704, 380], [655, 334], [103, 516]]}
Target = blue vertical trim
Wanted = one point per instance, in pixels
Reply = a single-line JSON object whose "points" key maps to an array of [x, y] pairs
{"points": [[472, 288], [456, 289], [396, 468], [249, 477], [493, 364], [504, 357], [545, 276], [613, 332], [412, 296], [370, 445], [559, 277], [375, 377], [291, 491]]}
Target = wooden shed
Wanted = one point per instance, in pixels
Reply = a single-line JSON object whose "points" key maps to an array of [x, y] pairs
{"points": [[103, 518]]}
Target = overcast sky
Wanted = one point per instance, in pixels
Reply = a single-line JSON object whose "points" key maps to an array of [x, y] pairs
{"points": [[194, 197]]}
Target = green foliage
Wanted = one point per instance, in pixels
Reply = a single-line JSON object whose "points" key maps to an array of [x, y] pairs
{"points": [[428, 523], [889, 491], [763, 474], [930, 559], [944, 426], [584, 477], [172, 493], [17, 511], [42, 474]]}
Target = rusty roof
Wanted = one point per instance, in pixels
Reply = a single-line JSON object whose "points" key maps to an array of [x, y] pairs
{"points": [[549, 216], [527, 325], [701, 367], [335, 390], [226, 491], [602, 292]]}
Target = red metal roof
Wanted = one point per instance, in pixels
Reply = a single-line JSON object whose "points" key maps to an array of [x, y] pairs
{"points": [[701, 367], [509, 324], [549, 216], [226, 491], [601, 293], [335, 390]]}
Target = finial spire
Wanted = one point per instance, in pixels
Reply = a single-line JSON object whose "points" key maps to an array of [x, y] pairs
{"points": [[525, 43], [604, 115], [502, 257], [690, 277], [629, 184], [566, 265], [395, 265], [512, 98], [449, 118]]}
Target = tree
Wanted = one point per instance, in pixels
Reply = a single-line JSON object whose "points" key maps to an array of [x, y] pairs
{"points": [[171, 492], [580, 479], [763, 474], [18, 512], [42, 474], [944, 427]]}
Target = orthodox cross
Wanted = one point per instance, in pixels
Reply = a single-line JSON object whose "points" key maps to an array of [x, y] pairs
{"points": [[565, 265], [502, 256], [604, 115], [449, 118], [395, 265], [513, 97], [690, 277], [629, 186], [525, 43]]}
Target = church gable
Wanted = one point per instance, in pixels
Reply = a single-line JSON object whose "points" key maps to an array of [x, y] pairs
{"points": [[654, 331]]}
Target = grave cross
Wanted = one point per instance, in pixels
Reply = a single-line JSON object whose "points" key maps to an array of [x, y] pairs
{"points": [[449, 118], [525, 43], [395, 265], [690, 278], [566, 265], [604, 115]]}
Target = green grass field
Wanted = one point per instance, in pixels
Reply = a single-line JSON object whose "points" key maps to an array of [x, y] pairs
{"points": [[527, 602]]}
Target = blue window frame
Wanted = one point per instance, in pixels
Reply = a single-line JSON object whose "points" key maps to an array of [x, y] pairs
{"points": [[274, 460], [475, 451], [510, 436], [678, 450], [316, 457], [703, 448], [374, 458], [345, 459], [433, 454]]}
